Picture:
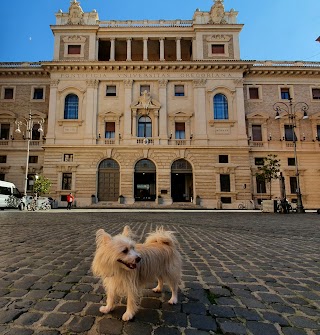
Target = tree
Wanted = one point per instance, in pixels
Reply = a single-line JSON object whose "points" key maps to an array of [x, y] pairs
{"points": [[270, 169], [42, 185]]}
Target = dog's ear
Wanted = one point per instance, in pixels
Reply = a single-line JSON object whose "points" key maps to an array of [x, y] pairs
{"points": [[102, 237], [127, 231]]}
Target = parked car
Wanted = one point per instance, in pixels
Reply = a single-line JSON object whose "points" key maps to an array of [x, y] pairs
{"points": [[10, 197]]}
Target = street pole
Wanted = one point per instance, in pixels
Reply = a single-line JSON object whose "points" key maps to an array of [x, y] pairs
{"points": [[291, 111]]}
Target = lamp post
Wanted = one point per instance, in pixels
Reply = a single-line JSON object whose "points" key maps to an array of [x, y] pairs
{"points": [[28, 123], [291, 110]]}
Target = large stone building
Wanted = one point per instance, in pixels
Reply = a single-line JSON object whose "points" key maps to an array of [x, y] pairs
{"points": [[139, 109]]}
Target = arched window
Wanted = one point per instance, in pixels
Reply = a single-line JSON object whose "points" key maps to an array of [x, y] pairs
{"points": [[220, 106], [71, 105], [144, 127]]}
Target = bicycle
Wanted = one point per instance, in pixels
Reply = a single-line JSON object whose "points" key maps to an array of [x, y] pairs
{"points": [[246, 205]]}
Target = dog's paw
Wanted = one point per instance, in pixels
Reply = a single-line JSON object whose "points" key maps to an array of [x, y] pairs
{"points": [[173, 301], [105, 309], [156, 289], [127, 316]]}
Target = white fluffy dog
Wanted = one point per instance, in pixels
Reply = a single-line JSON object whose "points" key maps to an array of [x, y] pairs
{"points": [[125, 266]]}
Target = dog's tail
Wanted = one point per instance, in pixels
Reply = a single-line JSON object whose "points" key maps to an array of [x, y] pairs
{"points": [[162, 236]]}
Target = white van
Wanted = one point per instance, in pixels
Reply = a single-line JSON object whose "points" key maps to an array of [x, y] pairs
{"points": [[10, 197]]}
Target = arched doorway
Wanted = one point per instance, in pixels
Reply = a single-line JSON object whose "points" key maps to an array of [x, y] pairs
{"points": [[181, 181], [145, 181], [108, 180]]}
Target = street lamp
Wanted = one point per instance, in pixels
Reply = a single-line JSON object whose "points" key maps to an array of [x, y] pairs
{"points": [[291, 110], [28, 123]]}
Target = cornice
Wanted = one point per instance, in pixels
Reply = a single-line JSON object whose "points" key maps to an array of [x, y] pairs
{"points": [[221, 65]]}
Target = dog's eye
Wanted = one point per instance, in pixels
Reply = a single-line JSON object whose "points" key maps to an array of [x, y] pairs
{"points": [[125, 251]]}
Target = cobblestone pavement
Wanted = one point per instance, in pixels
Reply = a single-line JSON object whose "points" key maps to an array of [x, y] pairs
{"points": [[243, 273]]}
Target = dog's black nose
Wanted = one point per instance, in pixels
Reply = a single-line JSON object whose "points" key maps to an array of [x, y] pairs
{"points": [[138, 259]]}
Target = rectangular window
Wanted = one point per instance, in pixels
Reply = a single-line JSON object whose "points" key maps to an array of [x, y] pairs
{"points": [[4, 131], [30, 182], [144, 88], [111, 91], [3, 159], [253, 93], [33, 159], [259, 161], [225, 183], [74, 49], [217, 49], [261, 185], [110, 129], [293, 185], [285, 93], [180, 130], [2, 176], [68, 157], [316, 93], [38, 94], [291, 161], [318, 132], [256, 132], [8, 93], [179, 90], [66, 181], [223, 159], [226, 200], [289, 133]]}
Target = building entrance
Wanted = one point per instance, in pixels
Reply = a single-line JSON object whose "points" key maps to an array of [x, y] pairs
{"points": [[181, 181], [145, 181], [108, 180]]}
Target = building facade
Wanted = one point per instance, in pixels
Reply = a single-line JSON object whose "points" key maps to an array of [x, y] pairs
{"points": [[159, 111]]}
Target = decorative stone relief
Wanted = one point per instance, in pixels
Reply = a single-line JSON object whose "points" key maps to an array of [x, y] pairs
{"points": [[75, 13], [163, 83], [199, 83], [128, 83], [74, 38], [217, 13]]}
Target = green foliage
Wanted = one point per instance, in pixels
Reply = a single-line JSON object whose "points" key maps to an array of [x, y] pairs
{"points": [[42, 185], [270, 169]]}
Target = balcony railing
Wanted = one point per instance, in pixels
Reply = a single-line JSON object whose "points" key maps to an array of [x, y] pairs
{"points": [[21, 143]]}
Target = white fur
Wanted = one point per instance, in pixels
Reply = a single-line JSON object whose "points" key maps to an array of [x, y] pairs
{"points": [[125, 267]]}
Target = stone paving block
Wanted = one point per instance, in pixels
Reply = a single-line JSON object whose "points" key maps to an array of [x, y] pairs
{"points": [[148, 315], [229, 327], [46, 305], [194, 308], [293, 331], [202, 322], [56, 295], [222, 311], [252, 303], [41, 285], [80, 324], [283, 308], [259, 328], [110, 326], [93, 310], [17, 293], [9, 315], [48, 332], [55, 320], [74, 296], [137, 328], [175, 319], [197, 332], [247, 314], [19, 331], [150, 303], [36, 294], [275, 318], [28, 319], [72, 307], [166, 331], [303, 322]]}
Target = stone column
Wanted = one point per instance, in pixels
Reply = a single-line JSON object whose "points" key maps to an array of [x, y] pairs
{"points": [[145, 48], [134, 123], [163, 118], [112, 49], [91, 112], [127, 109], [200, 120], [162, 49], [50, 137], [156, 124], [178, 48], [129, 49]]}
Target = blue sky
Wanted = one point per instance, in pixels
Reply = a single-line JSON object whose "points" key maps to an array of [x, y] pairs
{"points": [[274, 29]]}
